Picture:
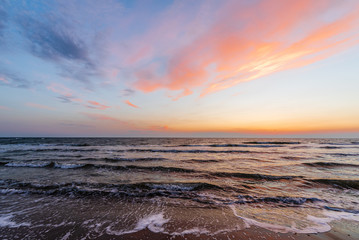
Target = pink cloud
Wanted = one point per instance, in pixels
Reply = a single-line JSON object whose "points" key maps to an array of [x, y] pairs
{"points": [[4, 80], [97, 105], [4, 108], [40, 106], [60, 89], [131, 104], [66, 94], [245, 43]]}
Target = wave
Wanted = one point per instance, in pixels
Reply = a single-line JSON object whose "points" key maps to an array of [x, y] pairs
{"points": [[300, 147], [293, 157], [341, 143], [99, 166], [277, 199], [152, 168], [186, 151], [342, 209], [51, 150], [339, 183], [331, 147], [30, 164], [231, 145], [253, 176], [201, 192], [201, 161], [81, 145], [142, 189], [329, 164], [128, 150], [119, 159], [132, 159], [272, 142], [344, 154]]}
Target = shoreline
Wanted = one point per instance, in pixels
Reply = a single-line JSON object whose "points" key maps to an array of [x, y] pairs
{"points": [[343, 229]]}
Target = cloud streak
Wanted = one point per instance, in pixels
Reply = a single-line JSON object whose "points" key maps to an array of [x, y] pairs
{"points": [[66, 94], [11, 79], [131, 104], [51, 43], [249, 42], [39, 106], [96, 105]]}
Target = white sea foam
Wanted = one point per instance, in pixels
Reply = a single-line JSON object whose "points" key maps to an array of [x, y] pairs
{"points": [[11, 191], [154, 223], [68, 166], [66, 236], [173, 187], [194, 231], [318, 224], [5, 221], [22, 164]]}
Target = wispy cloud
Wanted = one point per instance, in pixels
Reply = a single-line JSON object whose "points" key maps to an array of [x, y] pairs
{"points": [[241, 46], [127, 92], [96, 105], [66, 94], [190, 46], [11, 79], [131, 104], [60, 89], [53, 42], [4, 80], [4, 108], [40, 106], [76, 49]]}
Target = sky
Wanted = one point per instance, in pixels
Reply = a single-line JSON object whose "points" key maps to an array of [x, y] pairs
{"points": [[206, 68]]}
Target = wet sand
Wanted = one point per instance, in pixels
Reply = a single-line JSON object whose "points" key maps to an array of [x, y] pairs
{"points": [[91, 218], [343, 230], [340, 231]]}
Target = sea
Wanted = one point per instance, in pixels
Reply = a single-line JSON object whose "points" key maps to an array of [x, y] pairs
{"points": [[108, 188]]}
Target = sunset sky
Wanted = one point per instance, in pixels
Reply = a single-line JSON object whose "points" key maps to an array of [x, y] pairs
{"points": [[242, 68]]}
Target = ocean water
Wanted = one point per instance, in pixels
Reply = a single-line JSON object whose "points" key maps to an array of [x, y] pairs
{"points": [[73, 188]]}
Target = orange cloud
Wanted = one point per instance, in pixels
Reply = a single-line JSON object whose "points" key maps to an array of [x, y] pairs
{"points": [[245, 44], [157, 128], [40, 106], [97, 105], [131, 104]]}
